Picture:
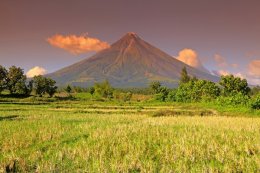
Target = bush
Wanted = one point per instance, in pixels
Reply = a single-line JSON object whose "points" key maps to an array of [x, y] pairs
{"points": [[127, 96], [234, 100], [255, 104], [172, 95], [104, 89], [195, 91], [162, 94]]}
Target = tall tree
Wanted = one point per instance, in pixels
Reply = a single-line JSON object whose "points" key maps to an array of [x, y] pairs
{"points": [[185, 78], [16, 81], [233, 85], [44, 85], [3, 76]]}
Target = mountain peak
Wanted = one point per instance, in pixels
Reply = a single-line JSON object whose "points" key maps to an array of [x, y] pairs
{"points": [[131, 34]]}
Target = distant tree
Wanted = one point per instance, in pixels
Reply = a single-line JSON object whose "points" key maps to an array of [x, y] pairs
{"points": [[44, 85], [68, 89], [92, 90], [256, 103], [51, 88], [233, 85], [155, 86], [16, 81], [185, 78], [3, 78], [104, 89], [128, 96], [162, 94], [77, 89], [255, 91]]}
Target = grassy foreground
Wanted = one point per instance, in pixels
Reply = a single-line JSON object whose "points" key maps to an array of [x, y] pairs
{"points": [[88, 136]]}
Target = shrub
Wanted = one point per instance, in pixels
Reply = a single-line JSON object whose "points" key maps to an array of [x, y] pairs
{"points": [[233, 100], [255, 104], [128, 96], [104, 89], [162, 94], [172, 95]]}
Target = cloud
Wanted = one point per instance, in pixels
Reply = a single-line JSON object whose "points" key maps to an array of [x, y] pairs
{"points": [[221, 61], [225, 73], [252, 75], [254, 68], [77, 44], [190, 57], [36, 71]]}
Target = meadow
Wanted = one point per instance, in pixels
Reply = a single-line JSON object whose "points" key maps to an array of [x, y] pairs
{"points": [[84, 135]]}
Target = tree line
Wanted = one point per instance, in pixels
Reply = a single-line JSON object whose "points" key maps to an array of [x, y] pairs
{"points": [[15, 81], [230, 90]]}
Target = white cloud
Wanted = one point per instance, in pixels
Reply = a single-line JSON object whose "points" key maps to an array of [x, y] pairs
{"points": [[36, 71]]}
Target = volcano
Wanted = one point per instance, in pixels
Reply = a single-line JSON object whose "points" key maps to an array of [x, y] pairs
{"points": [[129, 62]]}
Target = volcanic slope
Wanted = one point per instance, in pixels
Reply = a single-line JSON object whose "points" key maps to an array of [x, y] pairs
{"points": [[129, 62]]}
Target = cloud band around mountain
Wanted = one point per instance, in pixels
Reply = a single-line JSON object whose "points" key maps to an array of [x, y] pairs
{"points": [[77, 44]]}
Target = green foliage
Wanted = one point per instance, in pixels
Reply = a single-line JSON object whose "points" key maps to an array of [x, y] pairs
{"points": [[194, 91], [162, 94], [44, 85], [256, 103], [3, 78], [128, 96], [16, 81], [155, 86], [143, 91], [92, 90], [255, 90], [185, 78], [68, 89], [104, 89], [172, 95], [233, 85], [233, 100]]}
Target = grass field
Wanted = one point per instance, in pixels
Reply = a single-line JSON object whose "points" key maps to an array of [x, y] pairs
{"points": [[94, 136]]}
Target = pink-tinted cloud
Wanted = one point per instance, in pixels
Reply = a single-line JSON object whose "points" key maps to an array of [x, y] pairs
{"points": [[221, 61], [225, 73], [35, 71], [190, 57], [254, 68], [77, 44]]}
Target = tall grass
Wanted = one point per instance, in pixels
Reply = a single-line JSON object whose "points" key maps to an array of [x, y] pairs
{"points": [[93, 136]]}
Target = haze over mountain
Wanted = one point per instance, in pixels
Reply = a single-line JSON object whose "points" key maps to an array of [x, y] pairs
{"points": [[129, 62]]}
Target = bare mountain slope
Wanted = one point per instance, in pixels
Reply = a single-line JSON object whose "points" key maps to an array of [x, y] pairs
{"points": [[130, 62]]}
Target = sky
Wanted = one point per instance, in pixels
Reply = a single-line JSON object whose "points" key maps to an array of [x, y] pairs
{"points": [[44, 36]]}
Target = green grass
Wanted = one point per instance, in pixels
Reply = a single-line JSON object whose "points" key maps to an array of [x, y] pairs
{"points": [[42, 135]]}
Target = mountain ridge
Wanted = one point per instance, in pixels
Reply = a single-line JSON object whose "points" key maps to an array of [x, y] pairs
{"points": [[129, 62]]}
